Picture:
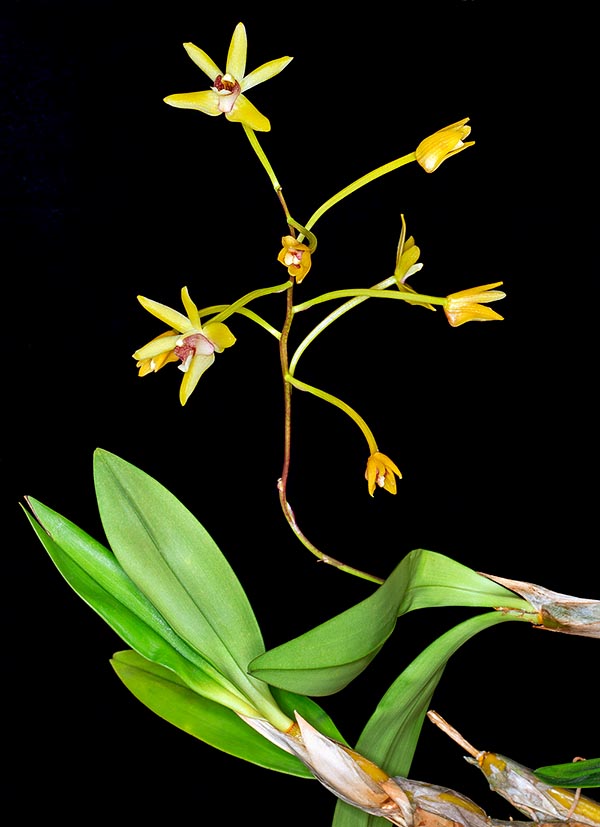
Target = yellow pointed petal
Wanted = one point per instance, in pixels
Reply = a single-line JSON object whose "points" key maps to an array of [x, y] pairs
{"points": [[400, 248], [371, 477], [264, 72], [191, 309], [477, 293], [246, 113], [202, 60], [207, 101], [199, 363], [219, 334], [164, 343], [472, 313], [172, 318], [236, 57], [155, 361]]}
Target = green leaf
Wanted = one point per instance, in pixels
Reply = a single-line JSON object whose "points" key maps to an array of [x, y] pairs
{"points": [[391, 734], [167, 696], [326, 658], [347, 816], [174, 561], [96, 576], [583, 774]]}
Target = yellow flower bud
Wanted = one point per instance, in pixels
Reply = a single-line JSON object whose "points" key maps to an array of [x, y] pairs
{"points": [[467, 305], [444, 143]]}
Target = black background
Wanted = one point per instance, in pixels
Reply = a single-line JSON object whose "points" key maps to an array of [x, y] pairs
{"points": [[108, 193]]}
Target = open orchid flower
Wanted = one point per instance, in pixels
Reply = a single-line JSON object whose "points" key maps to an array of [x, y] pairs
{"points": [[226, 94], [188, 341], [381, 471]]}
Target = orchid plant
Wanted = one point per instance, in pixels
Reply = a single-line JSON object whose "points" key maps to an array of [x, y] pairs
{"points": [[195, 653]]}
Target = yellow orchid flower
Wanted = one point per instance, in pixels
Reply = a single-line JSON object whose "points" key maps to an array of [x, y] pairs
{"points": [[407, 263], [225, 96], [187, 341], [380, 471], [295, 256], [467, 305], [444, 143]]}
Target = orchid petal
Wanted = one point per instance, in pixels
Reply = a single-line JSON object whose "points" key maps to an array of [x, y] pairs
{"points": [[191, 309], [166, 314], [206, 101], [246, 113], [236, 57], [199, 363], [264, 72], [202, 60], [156, 347], [219, 334]]}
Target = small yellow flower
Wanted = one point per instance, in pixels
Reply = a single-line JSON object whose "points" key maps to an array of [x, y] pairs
{"points": [[380, 471], [407, 263], [434, 150], [295, 256], [467, 305], [187, 341], [225, 96]]}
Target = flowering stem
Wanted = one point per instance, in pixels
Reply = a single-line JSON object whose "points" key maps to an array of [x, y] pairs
{"points": [[323, 558], [288, 512], [344, 308], [288, 381], [250, 134], [372, 293], [287, 398], [243, 311], [328, 397], [255, 294], [360, 182]]}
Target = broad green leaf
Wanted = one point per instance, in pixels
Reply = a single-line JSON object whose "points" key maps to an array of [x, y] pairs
{"points": [[328, 657], [166, 695], [391, 734], [175, 562], [96, 576], [585, 774]]}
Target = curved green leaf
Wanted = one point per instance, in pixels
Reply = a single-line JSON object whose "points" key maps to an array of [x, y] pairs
{"points": [[328, 657], [175, 562], [584, 774], [96, 576], [167, 696], [391, 734]]}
